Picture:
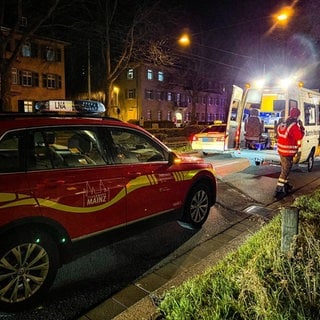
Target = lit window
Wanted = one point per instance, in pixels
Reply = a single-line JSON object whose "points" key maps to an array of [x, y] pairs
{"points": [[28, 106], [169, 116], [169, 96], [149, 115], [159, 115], [160, 76], [130, 74], [149, 74]]}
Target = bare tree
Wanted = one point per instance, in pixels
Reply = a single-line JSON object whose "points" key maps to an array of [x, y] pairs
{"points": [[121, 33], [15, 19]]}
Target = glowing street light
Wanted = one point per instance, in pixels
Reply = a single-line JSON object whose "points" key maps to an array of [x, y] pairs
{"points": [[283, 16], [184, 40]]}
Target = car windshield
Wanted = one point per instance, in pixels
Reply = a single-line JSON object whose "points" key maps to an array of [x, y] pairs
{"points": [[217, 129]]}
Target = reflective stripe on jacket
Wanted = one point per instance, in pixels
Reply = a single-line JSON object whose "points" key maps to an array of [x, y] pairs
{"points": [[289, 139]]}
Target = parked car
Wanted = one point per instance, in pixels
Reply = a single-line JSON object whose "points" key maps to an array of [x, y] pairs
{"points": [[63, 178], [211, 139]]}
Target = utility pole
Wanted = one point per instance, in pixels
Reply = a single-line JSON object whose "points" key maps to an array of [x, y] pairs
{"points": [[89, 72]]}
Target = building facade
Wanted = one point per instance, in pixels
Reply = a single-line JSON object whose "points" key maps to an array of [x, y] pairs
{"points": [[151, 93], [38, 73]]}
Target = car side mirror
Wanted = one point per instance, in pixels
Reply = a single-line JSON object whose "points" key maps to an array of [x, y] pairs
{"points": [[172, 158]]}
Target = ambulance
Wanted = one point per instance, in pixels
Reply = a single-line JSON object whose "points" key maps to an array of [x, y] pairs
{"points": [[266, 106]]}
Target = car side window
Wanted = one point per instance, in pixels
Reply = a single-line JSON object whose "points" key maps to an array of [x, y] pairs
{"points": [[63, 148], [10, 152], [134, 147]]}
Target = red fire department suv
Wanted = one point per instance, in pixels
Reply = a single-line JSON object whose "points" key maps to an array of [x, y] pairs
{"points": [[63, 178]]}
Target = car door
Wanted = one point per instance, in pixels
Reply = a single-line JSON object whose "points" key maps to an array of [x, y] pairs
{"points": [[73, 180], [150, 185]]}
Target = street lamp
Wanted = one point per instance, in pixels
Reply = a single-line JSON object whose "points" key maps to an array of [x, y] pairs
{"points": [[115, 92], [184, 40], [284, 15]]}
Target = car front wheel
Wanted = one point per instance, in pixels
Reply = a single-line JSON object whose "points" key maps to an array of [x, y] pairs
{"points": [[197, 205], [28, 266]]}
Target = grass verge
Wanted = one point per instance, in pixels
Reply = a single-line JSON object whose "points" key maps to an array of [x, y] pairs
{"points": [[257, 281]]}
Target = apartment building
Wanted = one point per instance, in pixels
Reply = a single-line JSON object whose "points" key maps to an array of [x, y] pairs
{"points": [[38, 73], [155, 94]]}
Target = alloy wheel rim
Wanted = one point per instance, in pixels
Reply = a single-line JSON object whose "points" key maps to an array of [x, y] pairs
{"points": [[199, 206], [23, 271]]}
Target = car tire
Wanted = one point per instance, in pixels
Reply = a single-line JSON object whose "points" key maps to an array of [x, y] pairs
{"points": [[310, 161], [29, 262], [197, 205]]}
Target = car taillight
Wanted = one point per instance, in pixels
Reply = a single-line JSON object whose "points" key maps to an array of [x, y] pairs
{"points": [[194, 138]]}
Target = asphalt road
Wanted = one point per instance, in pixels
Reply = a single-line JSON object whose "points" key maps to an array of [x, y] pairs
{"points": [[95, 276]]}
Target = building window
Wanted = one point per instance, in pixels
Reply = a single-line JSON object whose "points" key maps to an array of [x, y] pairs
{"points": [[160, 76], [26, 78], [51, 81], [26, 49], [149, 115], [28, 106], [159, 115], [150, 74], [131, 94], [149, 94], [14, 76], [204, 100], [211, 101], [169, 96], [158, 95], [50, 54], [169, 116], [130, 74]]}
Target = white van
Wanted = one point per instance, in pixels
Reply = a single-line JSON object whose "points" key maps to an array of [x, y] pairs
{"points": [[271, 104]]}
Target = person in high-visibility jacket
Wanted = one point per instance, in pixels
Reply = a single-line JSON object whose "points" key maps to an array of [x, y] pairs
{"points": [[289, 134]]}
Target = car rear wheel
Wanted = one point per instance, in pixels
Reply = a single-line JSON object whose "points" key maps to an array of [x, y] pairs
{"points": [[197, 205], [310, 161], [28, 266]]}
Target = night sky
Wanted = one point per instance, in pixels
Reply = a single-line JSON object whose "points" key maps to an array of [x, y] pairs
{"points": [[242, 41]]}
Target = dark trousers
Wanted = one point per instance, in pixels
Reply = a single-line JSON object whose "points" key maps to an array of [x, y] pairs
{"points": [[286, 165]]}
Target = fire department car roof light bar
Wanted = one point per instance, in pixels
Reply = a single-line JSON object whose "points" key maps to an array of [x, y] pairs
{"points": [[82, 107]]}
